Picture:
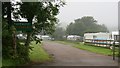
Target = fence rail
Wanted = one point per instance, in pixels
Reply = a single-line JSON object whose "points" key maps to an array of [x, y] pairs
{"points": [[101, 42]]}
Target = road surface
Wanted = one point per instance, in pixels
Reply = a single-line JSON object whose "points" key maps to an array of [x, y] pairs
{"points": [[66, 55]]}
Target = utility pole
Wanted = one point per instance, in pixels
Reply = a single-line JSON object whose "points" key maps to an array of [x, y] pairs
{"points": [[119, 32], [119, 48]]}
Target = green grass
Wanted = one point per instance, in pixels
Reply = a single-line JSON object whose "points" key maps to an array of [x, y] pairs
{"points": [[99, 50], [38, 54], [91, 48], [8, 62], [0, 62]]}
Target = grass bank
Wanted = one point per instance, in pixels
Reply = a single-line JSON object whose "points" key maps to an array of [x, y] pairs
{"points": [[88, 47], [38, 54]]}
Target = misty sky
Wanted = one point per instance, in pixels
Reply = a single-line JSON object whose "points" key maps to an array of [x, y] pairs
{"points": [[104, 12]]}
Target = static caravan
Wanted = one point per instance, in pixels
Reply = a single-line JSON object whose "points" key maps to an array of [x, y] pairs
{"points": [[89, 37], [73, 37], [103, 36], [113, 33], [115, 36], [44, 37]]}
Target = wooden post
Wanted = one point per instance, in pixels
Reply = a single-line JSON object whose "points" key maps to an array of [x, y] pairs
{"points": [[119, 50], [113, 50], [119, 32], [14, 43]]}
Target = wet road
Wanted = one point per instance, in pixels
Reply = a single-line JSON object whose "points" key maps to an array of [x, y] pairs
{"points": [[66, 55]]}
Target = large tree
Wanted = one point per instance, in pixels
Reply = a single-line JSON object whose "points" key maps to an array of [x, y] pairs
{"points": [[43, 14], [85, 24]]}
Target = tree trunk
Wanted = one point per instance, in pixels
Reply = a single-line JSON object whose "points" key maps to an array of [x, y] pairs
{"points": [[9, 14], [28, 42], [28, 33], [14, 44], [28, 39], [9, 20]]}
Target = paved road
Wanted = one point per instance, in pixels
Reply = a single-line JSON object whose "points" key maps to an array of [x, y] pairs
{"points": [[66, 55]]}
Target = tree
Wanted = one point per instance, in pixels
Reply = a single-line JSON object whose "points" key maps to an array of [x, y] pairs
{"points": [[85, 24], [44, 14], [8, 48]]}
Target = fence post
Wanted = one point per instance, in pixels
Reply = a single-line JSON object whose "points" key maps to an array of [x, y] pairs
{"points": [[113, 50]]}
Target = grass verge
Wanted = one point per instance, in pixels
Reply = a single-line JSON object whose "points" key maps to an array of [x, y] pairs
{"points": [[38, 54], [91, 48], [8, 62], [99, 50]]}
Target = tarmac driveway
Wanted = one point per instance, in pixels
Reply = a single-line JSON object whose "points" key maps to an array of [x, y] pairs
{"points": [[66, 55]]}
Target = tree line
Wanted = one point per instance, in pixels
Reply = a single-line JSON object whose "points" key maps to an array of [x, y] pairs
{"points": [[80, 26]]}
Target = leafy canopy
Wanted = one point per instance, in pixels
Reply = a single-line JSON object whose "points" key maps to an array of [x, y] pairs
{"points": [[85, 24]]}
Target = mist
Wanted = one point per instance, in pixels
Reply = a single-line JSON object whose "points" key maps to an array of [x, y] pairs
{"points": [[104, 12]]}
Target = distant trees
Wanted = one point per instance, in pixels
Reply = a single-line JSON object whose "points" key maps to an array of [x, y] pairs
{"points": [[85, 24], [59, 33]]}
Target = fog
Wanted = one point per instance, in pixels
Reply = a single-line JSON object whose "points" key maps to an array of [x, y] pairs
{"points": [[104, 12]]}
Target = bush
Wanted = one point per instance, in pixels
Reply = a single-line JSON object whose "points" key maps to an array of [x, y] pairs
{"points": [[22, 51]]}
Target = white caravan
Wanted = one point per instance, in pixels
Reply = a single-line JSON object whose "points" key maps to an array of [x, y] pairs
{"points": [[88, 37], [73, 37], [100, 36]]}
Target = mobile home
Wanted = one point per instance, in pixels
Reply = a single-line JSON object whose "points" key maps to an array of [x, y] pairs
{"points": [[73, 37], [89, 37], [101, 36], [113, 33]]}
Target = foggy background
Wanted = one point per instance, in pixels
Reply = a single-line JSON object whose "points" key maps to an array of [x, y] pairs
{"points": [[104, 12]]}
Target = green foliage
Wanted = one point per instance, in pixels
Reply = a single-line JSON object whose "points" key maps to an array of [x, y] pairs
{"points": [[44, 13], [8, 51], [7, 62], [85, 24]]}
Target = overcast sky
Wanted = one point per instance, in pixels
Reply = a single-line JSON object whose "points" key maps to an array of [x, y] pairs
{"points": [[104, 11]]}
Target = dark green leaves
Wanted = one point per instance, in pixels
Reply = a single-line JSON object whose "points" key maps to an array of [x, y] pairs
{"points": [[85, 24]]}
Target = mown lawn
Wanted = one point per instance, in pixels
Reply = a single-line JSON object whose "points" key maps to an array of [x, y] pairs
{"points": [[38, 54], [88, 47]]}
